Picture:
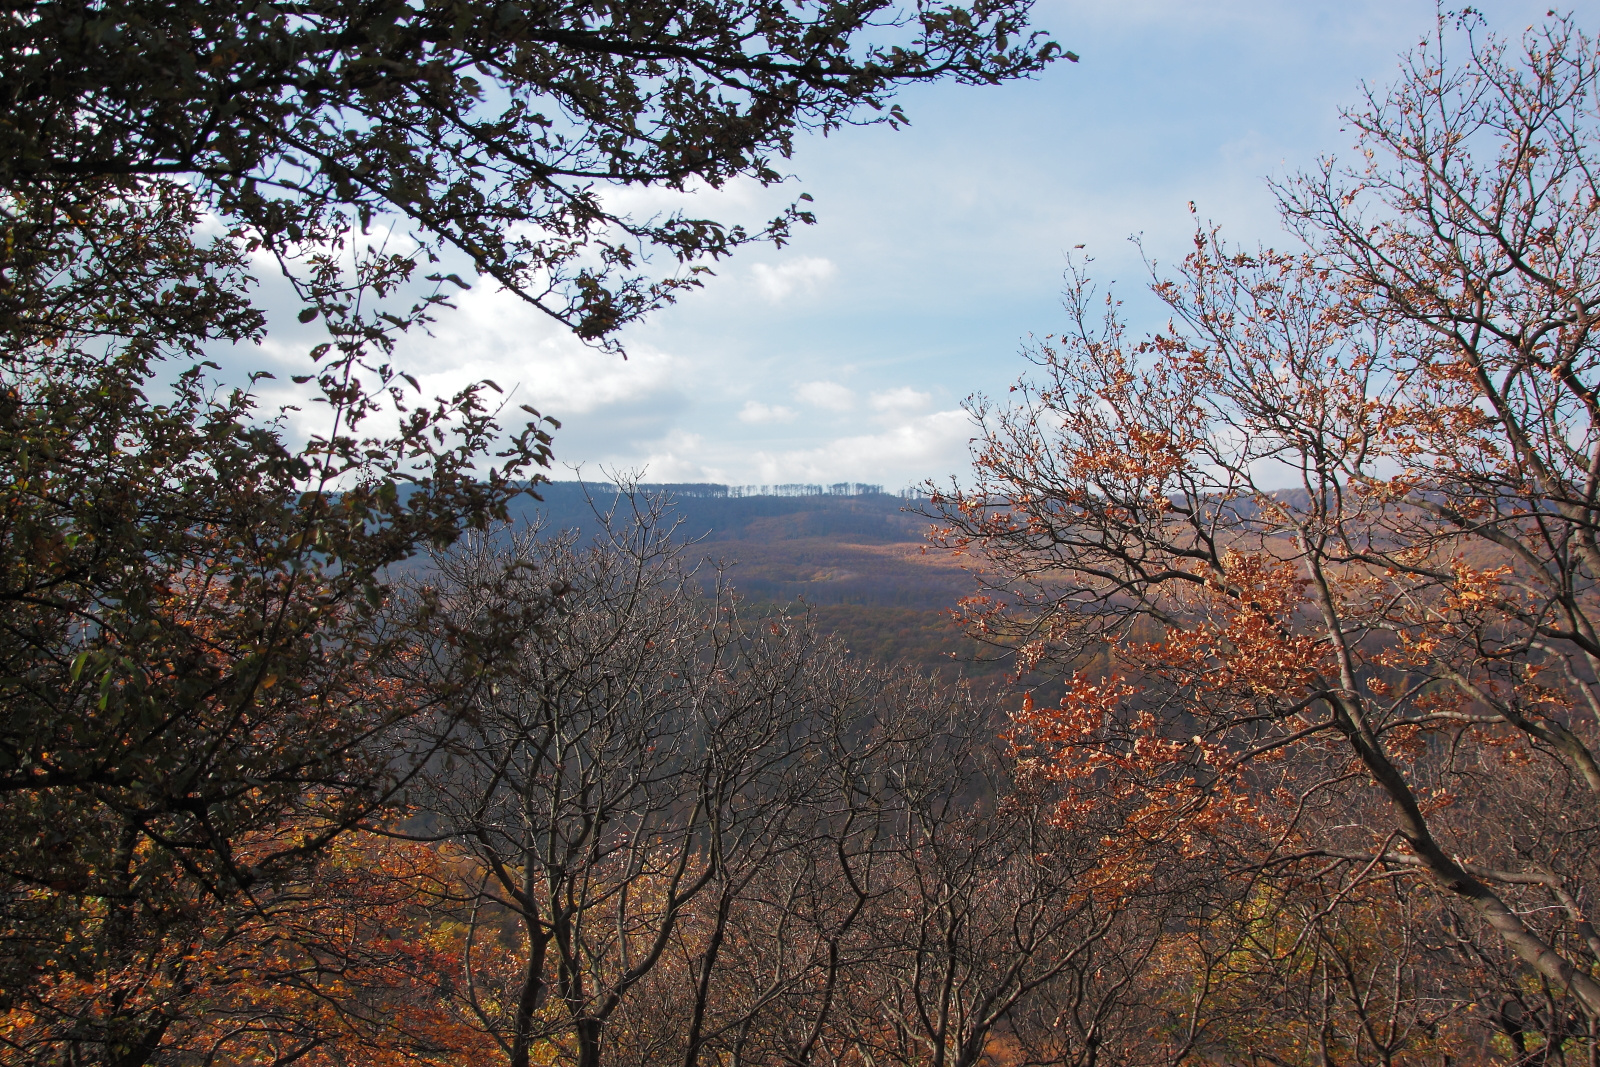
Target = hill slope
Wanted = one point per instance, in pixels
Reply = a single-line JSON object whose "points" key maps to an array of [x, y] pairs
{"points": [[857, 560]]}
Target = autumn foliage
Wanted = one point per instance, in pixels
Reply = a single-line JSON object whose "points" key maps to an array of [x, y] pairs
{"points": [[1336, 524]]}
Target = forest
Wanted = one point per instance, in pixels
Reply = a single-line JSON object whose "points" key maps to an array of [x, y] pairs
{"points": [[1239, 706]]}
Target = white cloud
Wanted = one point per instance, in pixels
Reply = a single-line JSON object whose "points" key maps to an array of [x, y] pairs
{"points": [[916, 447], [830, 395], [931, 445], [677, 459], [611, 409], [743, 199], [904, 398], [805, 274], [495, 335], [756, 412]]}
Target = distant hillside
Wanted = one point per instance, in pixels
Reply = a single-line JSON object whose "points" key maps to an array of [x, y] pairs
{"points": [[723, 513], [850, 552]]}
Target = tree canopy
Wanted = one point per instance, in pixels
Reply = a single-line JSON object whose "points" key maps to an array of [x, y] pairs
{"points": [[494, 130]]}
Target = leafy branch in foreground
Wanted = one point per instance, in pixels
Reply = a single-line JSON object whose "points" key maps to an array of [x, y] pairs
{"points": [[496, 132], [199, 666]]}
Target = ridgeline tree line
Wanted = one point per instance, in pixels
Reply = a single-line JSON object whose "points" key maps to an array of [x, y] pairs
{"points": [[1314, 567]]}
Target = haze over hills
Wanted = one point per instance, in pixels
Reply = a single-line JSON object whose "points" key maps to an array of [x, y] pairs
{"points": [[851, 553]]}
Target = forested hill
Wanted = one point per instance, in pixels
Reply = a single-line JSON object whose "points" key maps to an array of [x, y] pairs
{"points": [[853, 554], [734, 513]]}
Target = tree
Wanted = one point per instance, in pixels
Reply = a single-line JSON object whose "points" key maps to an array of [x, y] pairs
{"points": [[491, 131], [200, 666], [1336, 523], [344, 961], [617, 792], [996, 925]]}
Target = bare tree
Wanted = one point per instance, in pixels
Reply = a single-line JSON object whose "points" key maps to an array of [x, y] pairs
{"points": [[618, 789], [683, 836], [988, 900]]}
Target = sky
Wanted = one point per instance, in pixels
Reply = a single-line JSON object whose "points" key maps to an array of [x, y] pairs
{"points": [[939, 249]]}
